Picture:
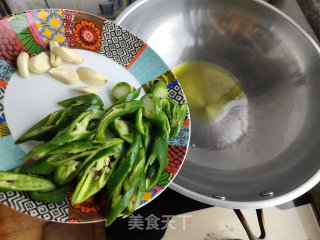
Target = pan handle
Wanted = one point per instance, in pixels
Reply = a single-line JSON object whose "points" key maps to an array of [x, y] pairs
{"points": [[246, 226]]}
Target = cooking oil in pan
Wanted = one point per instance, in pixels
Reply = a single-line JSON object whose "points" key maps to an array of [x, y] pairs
{"points": [[217, 102]]}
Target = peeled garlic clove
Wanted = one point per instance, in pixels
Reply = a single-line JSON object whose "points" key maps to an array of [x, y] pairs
{"points": [[54, 59], [68, 55], [87, 90], [65, 74], [39, 63], [22, 64], [91, 76]]}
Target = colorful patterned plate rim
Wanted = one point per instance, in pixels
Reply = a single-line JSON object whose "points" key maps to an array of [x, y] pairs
{"points": [[31, 31]]}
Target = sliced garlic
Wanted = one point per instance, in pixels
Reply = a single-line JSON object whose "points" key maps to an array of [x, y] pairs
{"points": [[91, 76], [68, 55], [54, 59], [22, 64], [39, 63], [87, 90], [65, 74]]}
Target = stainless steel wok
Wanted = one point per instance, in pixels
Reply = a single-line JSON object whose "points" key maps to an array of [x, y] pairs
{"points": [[265, 151]]}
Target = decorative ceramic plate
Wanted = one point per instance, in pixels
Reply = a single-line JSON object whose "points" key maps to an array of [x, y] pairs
{"points": [[108, 48]]}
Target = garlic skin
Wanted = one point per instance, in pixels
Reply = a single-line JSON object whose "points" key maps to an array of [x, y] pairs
{"points": [[87, 90], [65, 74], [22, 64], [91, 76], [54, 59], [68, 55], [39, 63]]}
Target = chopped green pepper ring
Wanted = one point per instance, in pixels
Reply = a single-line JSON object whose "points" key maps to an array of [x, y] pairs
{"points": [[53, 196], [123, 168], [40, 166], [88, 99], [146, 137], [67, 159], [23, 182], [121, 200], [77, 130], [157, 161], [121, 90], [159, 89], [113, 113], [46, 128], [96, 173], [152, 110], [130, 97]]}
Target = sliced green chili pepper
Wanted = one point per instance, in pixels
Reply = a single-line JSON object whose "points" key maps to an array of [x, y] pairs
{"points": [[146, 136], [121, 200], [157, 161], [88, 99], [44, 129], [41, 166], [96, 173], [123, 129], [65, 174], [177, 123], [113, 113], [159, 89], [40, 151], [135, 172], [53, 196], [67, 159], [130, 97], [22, 182], [121, 90], [124, 167], [77, 130], [139, 121]]}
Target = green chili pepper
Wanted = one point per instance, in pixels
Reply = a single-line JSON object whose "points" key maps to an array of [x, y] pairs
{"points": [[135, 172], [123, 129], [88, 99], [157, 161], [159, 89], [146, 136], [67, 159], [77, 130], [53, 196], [22, 182], [177, 123], [44, 129], [65, 174], [96, 174], [40, 151], [121, 90], [130, 97], [113, 113], [121, 200], [41, 166], [139, 121], [123, 168], [152, 110]]}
